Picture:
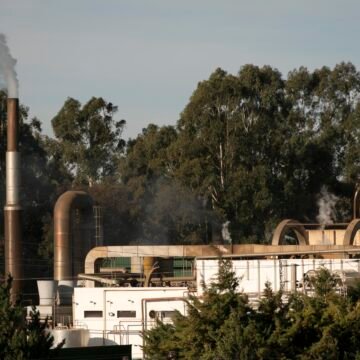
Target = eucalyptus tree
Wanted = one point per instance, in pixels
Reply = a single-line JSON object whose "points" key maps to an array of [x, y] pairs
{"points": [[89, 138], [165, 210], [260, 147], [229, 140], [325, 141], [255, 147]]}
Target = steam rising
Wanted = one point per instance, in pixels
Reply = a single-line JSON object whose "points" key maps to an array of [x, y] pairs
{"points": [[8, 77], [326, 203], [225, 233]]}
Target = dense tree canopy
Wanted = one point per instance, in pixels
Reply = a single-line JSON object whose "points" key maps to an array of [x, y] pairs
{"points": [[88, 138], [248, 150], [165, 209], [257, 148]]}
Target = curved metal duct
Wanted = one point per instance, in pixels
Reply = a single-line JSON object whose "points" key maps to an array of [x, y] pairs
{"points": [[351, 232], [148, 264], [286, 225], [73, 233]]}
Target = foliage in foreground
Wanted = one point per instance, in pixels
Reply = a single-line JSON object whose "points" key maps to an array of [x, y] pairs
{"points": [[19, 339], [223, 325]]}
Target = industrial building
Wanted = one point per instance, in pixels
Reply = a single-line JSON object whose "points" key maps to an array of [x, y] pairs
{"points": [[108, 295], [113, 314]]}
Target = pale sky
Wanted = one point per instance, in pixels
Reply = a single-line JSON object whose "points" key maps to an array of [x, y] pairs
{"points": [[147, 56]]}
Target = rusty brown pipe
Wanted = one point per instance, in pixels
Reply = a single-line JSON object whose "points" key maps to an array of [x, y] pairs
{"points": [[69, 254], [12, 209], [148, 263], [290, 224], [12, 124]]}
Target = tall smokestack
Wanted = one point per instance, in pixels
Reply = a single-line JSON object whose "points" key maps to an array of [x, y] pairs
{"points": [[13, 224]]}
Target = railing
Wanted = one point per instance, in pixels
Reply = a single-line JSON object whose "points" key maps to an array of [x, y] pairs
{"points": [[120, 333]]}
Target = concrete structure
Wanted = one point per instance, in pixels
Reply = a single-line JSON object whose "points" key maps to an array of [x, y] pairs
{"points": [[127, 303], [279, 272], [119, 315], [137, 253], [315, 234]]}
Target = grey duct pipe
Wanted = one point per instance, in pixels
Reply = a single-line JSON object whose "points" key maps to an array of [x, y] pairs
{"points": [[70, 246], [12, 209]]}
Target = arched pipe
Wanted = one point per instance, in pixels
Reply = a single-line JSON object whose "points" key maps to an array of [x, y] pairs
{"points": [[284, 227], [65, 248], [351, 231]]}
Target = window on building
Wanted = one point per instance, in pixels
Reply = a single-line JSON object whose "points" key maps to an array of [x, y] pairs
{"points": [[93, 314], [167, 314], [126, 314]]}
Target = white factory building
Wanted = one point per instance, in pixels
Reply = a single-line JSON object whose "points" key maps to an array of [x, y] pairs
{"points": [[119, 315]]}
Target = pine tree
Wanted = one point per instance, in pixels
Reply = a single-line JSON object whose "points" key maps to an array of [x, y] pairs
{"points": [[20, 339], [196, 335]]}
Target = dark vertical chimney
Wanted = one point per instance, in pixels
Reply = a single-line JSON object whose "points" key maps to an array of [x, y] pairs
{"points": [[13, 223]]}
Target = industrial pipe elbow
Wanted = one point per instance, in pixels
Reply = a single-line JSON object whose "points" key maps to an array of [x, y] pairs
{"points": [[67, 247]]}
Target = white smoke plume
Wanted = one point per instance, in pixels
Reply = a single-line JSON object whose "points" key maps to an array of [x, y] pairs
{"points": [[225, 232], [8, 77], [326, 203]]}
